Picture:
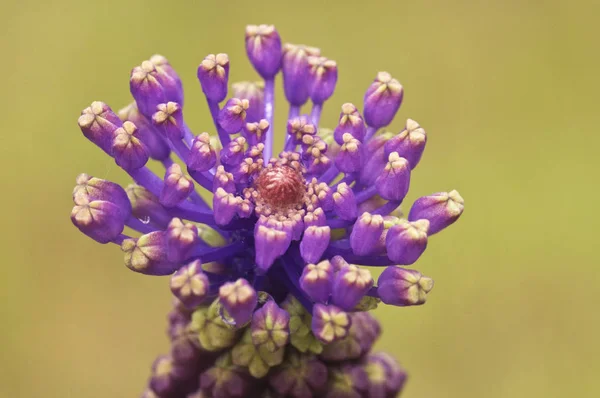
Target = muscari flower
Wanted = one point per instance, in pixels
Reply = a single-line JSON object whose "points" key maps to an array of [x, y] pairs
{"points": [[271, 293]]}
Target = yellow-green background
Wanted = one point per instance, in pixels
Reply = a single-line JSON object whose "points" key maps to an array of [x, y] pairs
{"points": [[507, 91]]}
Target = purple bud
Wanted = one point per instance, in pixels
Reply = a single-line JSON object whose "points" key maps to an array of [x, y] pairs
{"points": [[338, 262], [168, 79], [129, 152], [263, 46], [329, 323], [298, 127], [350, 156], [393, 182], [233, 115], [269, 243], [315, 241], [225, 206], [314, 149], [239, 300], [146, 88], [213, 74], [234, 152], [162, 382], [146, 206], [316, 217], [177, 186], [403, 287], [317, 281], [361, 337], [382, 100], [295, 72], [351, 283], [386, 377], [405, 242], [190, 285], [365, 234], [181, 239], [344, 202], [202, 155], [350, 122], [255, 94], [98, 124], [156, 145], [270, 327], [321, 196], [374, 158], [90, 188], [100, 220], [441, 209], [299, 376], [148, 254], [321, 79], [169, 118], [409, 144], [223, 180], [256, 132]]}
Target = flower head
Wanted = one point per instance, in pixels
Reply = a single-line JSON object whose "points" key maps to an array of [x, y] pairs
{"points": [[271, 295]]}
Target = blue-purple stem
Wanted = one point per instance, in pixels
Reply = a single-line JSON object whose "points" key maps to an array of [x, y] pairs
{"points": [[315, 114], [387, 208], [366, 194], [330, 174], [294, 112], [290, 278], [373, 260], [140, 226], [188, 136], [213, 106], [370, 133], [180, 149], [269, 115], [167, 162], [190, 212], [204, 178], [217, 253], [338, 223]]}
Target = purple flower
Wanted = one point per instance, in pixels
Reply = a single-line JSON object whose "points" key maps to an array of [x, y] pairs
{"points": [[271, 298]]}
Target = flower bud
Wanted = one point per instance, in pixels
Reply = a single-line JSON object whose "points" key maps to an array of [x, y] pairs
{"points": [[409, 144], [213, 74], [168, 79], [403, 287], [256, 132], [393, 182], [181, 239], [382, 100], [146, 88], [350, 156], [295, 72], [350, 122], [148, 254], [98, 124], [441, 209], [190, 285], [254, 92], [129, 152], [202, 155], [299, 126], [322, 77], [225, 206], [100, 220], [270, 327], [365, 234], [169, 118], [263, 46], [329, 323], [177, 186], [233, 115], [155, 143], [317, 281], [344, 202], [234, 152], [270, 244], [239, 300], [315, 241], [90, 188], [351, 283], [405, 242]]}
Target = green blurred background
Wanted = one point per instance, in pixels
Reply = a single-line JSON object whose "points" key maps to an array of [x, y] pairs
{"points": [[507, 91]]}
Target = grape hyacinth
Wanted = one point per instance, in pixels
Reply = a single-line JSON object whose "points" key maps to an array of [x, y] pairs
{"points": [[270, 299]]}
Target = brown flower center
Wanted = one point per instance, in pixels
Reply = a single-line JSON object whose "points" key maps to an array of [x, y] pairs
{"points": [[281, 187]]}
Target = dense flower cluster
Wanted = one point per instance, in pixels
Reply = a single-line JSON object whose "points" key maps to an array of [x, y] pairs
{"points": [[269, 301]]}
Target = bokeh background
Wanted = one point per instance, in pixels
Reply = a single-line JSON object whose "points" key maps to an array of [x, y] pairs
{"points": [[507, 91]]}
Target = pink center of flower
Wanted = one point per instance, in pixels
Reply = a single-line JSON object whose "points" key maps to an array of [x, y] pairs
{"points": [[281, 187]]}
